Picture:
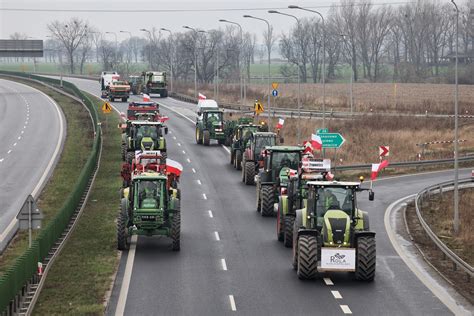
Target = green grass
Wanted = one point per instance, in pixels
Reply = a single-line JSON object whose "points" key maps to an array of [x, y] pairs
{"points": [[76, 150], [82, 274]]}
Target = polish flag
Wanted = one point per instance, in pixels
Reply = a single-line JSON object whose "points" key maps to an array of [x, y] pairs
{"points": [[316, 142], [146, 98], [164, 119], [173, 167], [281, 121], [377, 167], [202, 96]]}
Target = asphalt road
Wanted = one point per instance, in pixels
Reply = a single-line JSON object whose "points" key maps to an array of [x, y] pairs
{"points": [[31, 135], [230, 258]]}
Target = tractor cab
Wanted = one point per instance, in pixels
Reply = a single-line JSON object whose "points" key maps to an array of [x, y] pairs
{"points": [[281, 157], [145, 135]]}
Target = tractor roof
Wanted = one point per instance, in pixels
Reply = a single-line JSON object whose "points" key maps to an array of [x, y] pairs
{"points": [[150, 175], [334, 184], [145, 123], [135, 103], [264, 134], [284, 148]]}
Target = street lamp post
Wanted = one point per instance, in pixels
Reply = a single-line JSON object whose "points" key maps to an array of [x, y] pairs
{"points": [[324, 58], [129, 53], [352, 78], [171, 55], [116, 44], [243, 93], [269, 73], [149, 48], [456, 130], [299, 76], [195, 59]]}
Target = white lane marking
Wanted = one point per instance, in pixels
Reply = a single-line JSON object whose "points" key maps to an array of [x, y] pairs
{"points": [[204, 196], [232, 303], [24, 126], [210, 214], [215, 233], [336, 294], [19, 137], [224, 265], [194, 170], [179, 113], [14, 144], [9, 151], [1, 159], [184, 152], [226, 149], [179, 144], [171, 132], [126, 277], [346, 309], [22, 132], [328, 281], [188, 160], [199, 182], [174, 137]]}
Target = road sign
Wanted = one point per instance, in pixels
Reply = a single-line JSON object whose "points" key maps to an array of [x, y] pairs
{"points": [[106, 108], [331, 140], [384, 151], [275, 93], [274, 85], [258, 107], [322, 130]]}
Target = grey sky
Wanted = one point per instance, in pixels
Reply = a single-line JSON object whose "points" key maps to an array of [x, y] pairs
{"points": [[34, 23]]}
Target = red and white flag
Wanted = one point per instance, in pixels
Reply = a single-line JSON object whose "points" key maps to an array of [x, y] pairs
{"points": [[173, 167], [293, 173], [146, 98], [164, 119], [377, 167], [202, 96], [316, 142], [281, 121]]}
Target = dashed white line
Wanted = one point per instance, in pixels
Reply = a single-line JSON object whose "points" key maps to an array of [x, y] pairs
{"points": [[210, 214], [204, 196], [328, 281], [224, 265], [24, 126], [14, 144], [1, 160], [22, 132], [215, 233], [188, 160], [184, 152], [346, 309], [179, 144], [194, 170], [199, 182], [9, 151], [336, 294], [232, 303], [226, 149], [174, 137], [19, 137]]}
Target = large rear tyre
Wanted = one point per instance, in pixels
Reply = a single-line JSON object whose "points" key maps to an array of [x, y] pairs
{"points": [[267, 199], [206, 138], [232, 157], [249, 169], [366, 258], [296, 226], [176, 231], [238, 160], [307, 267], [288, 223], [280, 234], [123, 238], [198, 136], [259, 202]]}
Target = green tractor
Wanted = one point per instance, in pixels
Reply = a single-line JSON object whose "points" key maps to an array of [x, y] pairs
{"points": [[210, 125], [252, 159], [332, 234], [143, 135], [278, 164], [136, 84], [242, 134], [295, 195], [149, 207]]}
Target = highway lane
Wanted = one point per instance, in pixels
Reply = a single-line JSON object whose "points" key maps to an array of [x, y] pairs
{"points": [[31, 134], [258, 272]]}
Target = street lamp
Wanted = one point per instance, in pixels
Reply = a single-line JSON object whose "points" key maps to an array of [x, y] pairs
{"points": [[352, 77], [269, 53], [171, 55], [243, 93], [195, 58], [129, 50], [299, 75], [456, 130], [324, 58], [149, 48], [116, 45]]}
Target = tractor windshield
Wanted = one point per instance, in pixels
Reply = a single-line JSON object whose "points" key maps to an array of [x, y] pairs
{"points": [[261, 142], [149, 193], [335, 198], [282, 159], [214, 117]]}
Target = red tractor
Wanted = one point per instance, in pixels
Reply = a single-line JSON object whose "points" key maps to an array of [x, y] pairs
{"points": [[145, 111]]}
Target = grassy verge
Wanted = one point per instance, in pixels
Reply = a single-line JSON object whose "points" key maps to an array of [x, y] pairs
{"points": [[82, 274], [76, 149]]}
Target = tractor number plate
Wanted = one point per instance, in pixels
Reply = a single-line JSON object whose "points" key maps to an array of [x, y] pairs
{"points": [[148, 217], [338, 259]]}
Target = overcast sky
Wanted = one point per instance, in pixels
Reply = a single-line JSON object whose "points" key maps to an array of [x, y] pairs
{"points": [[34, 23]]}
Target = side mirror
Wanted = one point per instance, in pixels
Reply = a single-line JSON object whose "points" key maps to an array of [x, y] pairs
{"points": [[282, 140], [371, 195], [166, 130]]}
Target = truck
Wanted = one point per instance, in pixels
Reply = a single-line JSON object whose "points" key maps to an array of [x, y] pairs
{"points": [[155, 82], [118, 90]]}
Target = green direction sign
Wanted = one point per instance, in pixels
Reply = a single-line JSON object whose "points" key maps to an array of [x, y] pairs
{"points": [[331, 140]]}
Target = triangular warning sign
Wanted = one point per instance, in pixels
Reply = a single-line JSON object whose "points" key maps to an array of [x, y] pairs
{"points": [[106, 108]]}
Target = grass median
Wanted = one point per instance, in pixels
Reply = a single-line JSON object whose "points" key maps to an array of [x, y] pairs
{"points": [[77, 148], [82, 274]]}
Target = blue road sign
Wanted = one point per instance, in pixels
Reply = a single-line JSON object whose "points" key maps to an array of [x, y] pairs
{"points": [[275, 93]]}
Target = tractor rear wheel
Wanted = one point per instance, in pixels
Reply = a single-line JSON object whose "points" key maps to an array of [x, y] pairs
{"points": [[176, 231], [366, 258], [296, 226], [123, 242], [232, 157], [238, 160], [198, 136], [249, 169], [206, 137], [267, 200], [288, 223], [258, 199], [280, 234], [307, 257]]}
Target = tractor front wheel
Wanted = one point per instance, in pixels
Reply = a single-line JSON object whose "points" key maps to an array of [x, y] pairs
{"points": [[249, 169], [267, 200], [288, 231], [307, 267], [176, 231], [366, 258], [123, 242], [198, 136], [206, 137]]}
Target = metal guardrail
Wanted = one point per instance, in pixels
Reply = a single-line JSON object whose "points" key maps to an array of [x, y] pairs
{"points": [[442, 246]]}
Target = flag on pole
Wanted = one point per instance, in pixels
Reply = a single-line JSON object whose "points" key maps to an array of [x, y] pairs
{"points": [[316, 142], [173, 167], [202, 96], [146, 98], [377, 167], [281, 121]]}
